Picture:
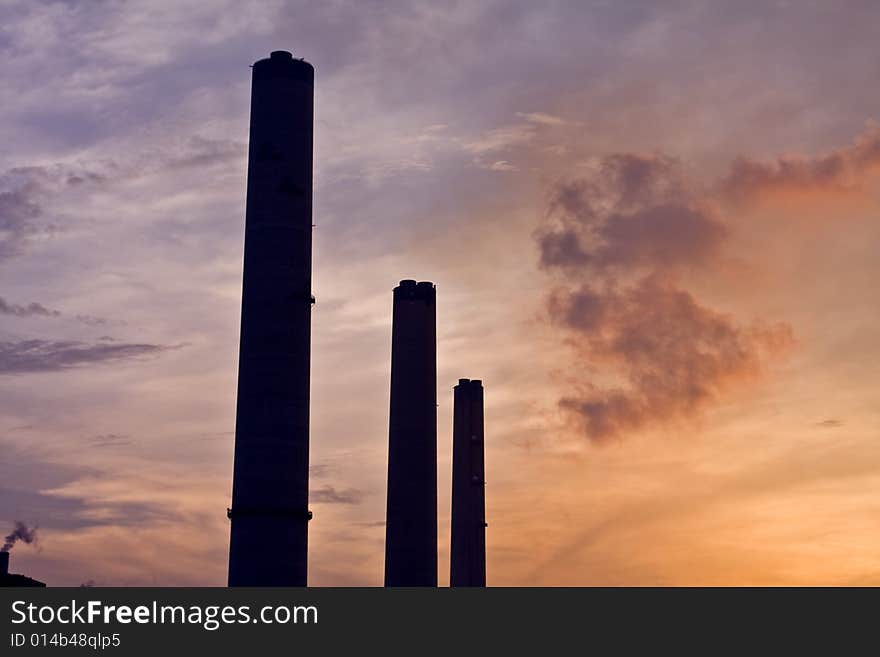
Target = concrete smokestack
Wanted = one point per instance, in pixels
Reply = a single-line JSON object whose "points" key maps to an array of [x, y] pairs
{"points": [[411, 517], [269, 514], [468, 549]]}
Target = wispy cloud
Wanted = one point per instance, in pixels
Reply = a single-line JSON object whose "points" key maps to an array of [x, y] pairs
{"points": [[330, 495], [23, 193], [52, 356], [19, 216], [35, 309], [542, 118], [500, 139], [110, 440], [32, 309], [502, 165]]}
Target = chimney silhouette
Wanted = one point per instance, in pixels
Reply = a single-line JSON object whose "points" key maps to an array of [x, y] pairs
{"points": [[468, 549], [4, 563], [269, 514], [411, 517]]}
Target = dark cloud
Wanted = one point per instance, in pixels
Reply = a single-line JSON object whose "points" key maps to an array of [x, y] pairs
{"points": [[330, 495], [844, 168], [35, 309], [621, 237], [633, 212], [50, 356], [32, 309], [675, 355]]}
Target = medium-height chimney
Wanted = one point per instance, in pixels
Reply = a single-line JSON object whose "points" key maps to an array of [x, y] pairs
{"points": [[4, 563], [411, 518], [468, 549], [269, 514]]}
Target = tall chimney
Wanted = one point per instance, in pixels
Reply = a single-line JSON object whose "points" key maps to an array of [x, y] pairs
{"points": [[4, 563], [269, 514], [411, 517], [468, 549]]}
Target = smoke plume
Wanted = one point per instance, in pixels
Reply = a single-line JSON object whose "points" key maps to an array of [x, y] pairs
{"points": [[21, 533]]}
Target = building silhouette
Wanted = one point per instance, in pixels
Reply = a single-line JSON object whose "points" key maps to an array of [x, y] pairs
{"points": [[468, 547], [269, 514], [13, 579], [411, 516]]}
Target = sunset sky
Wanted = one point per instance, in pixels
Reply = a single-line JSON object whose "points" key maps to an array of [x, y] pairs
{"points": [[653, 227]]}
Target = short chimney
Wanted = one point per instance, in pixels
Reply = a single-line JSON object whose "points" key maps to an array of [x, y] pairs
{"points": [[468, 548]]}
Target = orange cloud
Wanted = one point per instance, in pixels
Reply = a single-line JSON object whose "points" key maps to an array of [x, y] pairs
{"points": [[620, 238], [676, 355], [840, 171]]}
